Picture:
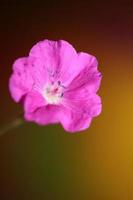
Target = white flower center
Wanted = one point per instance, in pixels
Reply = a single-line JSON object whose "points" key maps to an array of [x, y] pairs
{"points": [[53, 93]]}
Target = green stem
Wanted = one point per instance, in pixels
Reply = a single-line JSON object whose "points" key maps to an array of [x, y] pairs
{"points": [[14, 124]]}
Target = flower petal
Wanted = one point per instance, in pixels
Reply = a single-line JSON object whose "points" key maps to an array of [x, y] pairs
{"points": [[21, 80], [45, 115], [58, 58], [79, 111], [28, 74], [88, 77], [33, 101], [73, 121]]}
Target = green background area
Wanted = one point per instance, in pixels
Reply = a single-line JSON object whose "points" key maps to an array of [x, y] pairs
{"points": [[38, 163]]}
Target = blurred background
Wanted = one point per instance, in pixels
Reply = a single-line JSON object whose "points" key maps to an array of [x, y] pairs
{"points": [[46, 162]]}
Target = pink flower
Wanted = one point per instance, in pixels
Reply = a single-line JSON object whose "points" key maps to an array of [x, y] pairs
{"points": [[57, 85]]}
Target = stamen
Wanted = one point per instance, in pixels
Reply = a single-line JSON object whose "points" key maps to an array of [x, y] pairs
{"points": [[53, 92]]}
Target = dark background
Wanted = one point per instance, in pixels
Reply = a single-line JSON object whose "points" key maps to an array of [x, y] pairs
{"points": [[46, 162]]}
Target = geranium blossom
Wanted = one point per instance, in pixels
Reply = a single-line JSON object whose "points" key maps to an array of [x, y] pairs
{"points": [[57, 85]]}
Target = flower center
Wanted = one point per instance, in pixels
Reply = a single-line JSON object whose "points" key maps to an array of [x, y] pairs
{"points": [[53, 93]]}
